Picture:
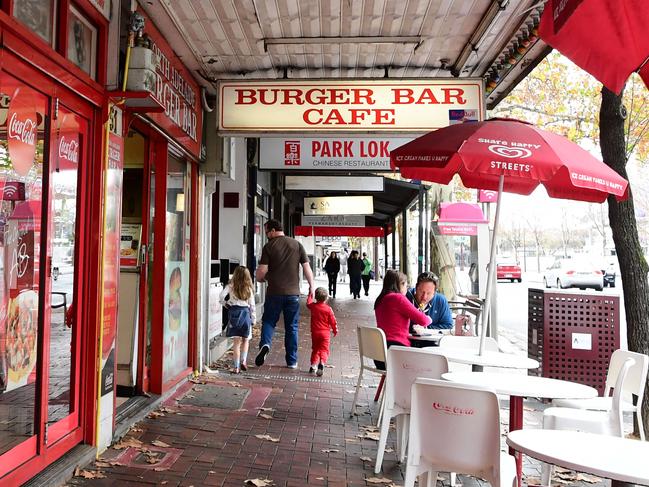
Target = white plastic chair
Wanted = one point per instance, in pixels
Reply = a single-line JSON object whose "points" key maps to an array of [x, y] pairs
{"points": [[452, 341], [404, 366], [634, 385], [599, 422], [456, 428], [371, 346]]}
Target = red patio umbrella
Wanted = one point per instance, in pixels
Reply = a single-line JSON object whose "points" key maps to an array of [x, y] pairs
{"points": [[606, 38], [507, 155]]}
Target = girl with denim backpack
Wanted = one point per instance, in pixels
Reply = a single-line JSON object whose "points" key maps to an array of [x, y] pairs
{"points": [[239, 297]]}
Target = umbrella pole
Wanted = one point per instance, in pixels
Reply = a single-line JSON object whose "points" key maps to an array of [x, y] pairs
{"points": [[492, 269]]}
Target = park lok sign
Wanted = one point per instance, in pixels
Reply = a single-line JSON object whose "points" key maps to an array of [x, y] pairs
{"points": [[349, 154], [339, 205], [345, 106], [333, 220], [177, 91]]}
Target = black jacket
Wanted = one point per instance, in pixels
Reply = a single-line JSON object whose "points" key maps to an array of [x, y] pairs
{"points": [[332, 266], [355, 267]]}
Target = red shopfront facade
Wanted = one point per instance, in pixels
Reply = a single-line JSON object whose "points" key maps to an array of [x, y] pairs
{"points": [[52, 107]]}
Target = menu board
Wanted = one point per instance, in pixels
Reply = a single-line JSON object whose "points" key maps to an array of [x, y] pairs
{"points": [[129, 248]]}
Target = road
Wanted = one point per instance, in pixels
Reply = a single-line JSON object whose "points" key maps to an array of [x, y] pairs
{"points": [[512, 302]]}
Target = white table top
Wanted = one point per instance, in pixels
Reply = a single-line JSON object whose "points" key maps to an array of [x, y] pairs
{"points": [[487, 359], [605, 456], [524, 385]]}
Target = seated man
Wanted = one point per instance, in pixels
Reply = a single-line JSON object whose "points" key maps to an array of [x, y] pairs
{"points": [[432, 303]]}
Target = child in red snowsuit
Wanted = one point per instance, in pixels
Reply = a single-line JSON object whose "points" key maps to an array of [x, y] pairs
{"points": [[322, 320]]}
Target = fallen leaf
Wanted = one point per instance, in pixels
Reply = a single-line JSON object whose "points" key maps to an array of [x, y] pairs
{"points": [[366, 459], [155, 414], [265, 416], [331, 450], [259, 482], [591, 479], [389, 450], [159, 443], [87, 474], [127, 443], [268, 410], [350, 391], [241, 410], [349, 376], [372, 429], [370, 436], [378, 480], [351, 440], [160, 469], [164, 482], [267, 437], [319, 478], [102, 464], [330, 366], [234, 384], [531, 480]]}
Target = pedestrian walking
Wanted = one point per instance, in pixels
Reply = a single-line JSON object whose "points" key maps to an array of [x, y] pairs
{"points": [[366, 274], [332, 268], [279, 265], [354, 269], [239, 297], [322, 320], [343, 257]]}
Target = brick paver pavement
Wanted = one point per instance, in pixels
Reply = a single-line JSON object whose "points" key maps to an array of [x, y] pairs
{"points": [[307, 435]]}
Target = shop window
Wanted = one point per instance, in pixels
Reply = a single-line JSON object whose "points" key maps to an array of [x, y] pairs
{"points": [[82, 42], [38, 15], [176, 314]]}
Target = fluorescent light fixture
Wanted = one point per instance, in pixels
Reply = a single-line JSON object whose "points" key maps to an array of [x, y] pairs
{"points": [[283, 41]]}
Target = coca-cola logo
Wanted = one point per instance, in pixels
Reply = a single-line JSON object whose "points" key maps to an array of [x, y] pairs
{"points": [[454, 410], [69, 149], [22, 130]]}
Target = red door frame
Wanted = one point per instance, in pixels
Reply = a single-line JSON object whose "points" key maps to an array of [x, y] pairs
{"points": [[84, 360], [158, 156]]}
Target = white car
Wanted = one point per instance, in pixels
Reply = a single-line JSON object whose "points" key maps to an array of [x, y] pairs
{"points": [[579, 273]]}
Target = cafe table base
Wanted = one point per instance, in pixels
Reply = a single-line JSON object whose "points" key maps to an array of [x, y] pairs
{"points": [[516, 423]]}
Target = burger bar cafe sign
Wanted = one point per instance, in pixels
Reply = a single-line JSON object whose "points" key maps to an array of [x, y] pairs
{"points": [[177, 91], [347, 106]]}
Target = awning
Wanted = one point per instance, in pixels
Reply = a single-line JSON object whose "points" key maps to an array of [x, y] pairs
{"points": [[397, 196], [302, 231]]}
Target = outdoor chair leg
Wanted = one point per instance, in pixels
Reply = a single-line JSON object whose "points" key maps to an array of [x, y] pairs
{"points": [[383, 438], [378, 422], [546, 474], [379, 389], [358, 387], [638, 415]]}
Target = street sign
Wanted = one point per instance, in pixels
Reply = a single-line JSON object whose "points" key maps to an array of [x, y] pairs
{"points": [[339, 205]]}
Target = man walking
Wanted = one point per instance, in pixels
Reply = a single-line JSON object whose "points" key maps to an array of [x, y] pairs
{"points": [[279, 265]]}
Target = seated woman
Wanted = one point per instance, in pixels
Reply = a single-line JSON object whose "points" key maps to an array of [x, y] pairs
{"points": [[394, 312]]}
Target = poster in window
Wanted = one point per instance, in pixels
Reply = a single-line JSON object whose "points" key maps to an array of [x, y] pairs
{"points": [[37, 15], [82, 40]]}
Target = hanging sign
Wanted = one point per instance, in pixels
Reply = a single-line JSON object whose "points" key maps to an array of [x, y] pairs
{"points": [[379, 105], [177, 91], [333, 220], [458, 229], [347, 153], [339, 205]]}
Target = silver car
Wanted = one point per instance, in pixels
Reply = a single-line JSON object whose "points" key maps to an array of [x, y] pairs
{"points": [[566, 273]]}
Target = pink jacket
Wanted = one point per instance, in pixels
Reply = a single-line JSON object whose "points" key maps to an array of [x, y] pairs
{"points": [[394, 314]]}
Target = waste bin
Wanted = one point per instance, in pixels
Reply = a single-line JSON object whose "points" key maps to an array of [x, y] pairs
{"points": [[573, 334]]}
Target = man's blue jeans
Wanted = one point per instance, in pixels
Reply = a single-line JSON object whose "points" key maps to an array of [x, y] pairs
{"points": [[290, 307]]}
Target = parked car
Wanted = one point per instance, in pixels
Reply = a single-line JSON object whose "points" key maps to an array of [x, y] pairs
{"points": [[509, 270], [565, 273]]}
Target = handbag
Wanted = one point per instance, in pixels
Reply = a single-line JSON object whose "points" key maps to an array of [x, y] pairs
{"points": [[372, 275]]}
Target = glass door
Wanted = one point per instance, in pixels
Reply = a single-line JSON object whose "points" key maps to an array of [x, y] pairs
{"points": [[69, 134], [23, 127]]}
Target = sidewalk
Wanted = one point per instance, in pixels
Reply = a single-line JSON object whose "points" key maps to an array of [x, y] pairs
{"points": [[274, 424]]}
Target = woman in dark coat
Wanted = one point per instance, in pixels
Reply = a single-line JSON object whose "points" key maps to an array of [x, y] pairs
{"points": [[332, 268], [355, 268]]}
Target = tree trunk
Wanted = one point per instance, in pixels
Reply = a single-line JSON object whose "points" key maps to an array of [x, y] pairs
{"points": [[633, 266]]}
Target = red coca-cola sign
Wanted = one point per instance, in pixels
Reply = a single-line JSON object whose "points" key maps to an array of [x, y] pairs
{"points": [[69, 149], [22, 127]]}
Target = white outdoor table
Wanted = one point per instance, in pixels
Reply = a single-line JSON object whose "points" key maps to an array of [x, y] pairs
{"points": [[518, 386], [619, 459], [434, 338], [487, 359]]}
